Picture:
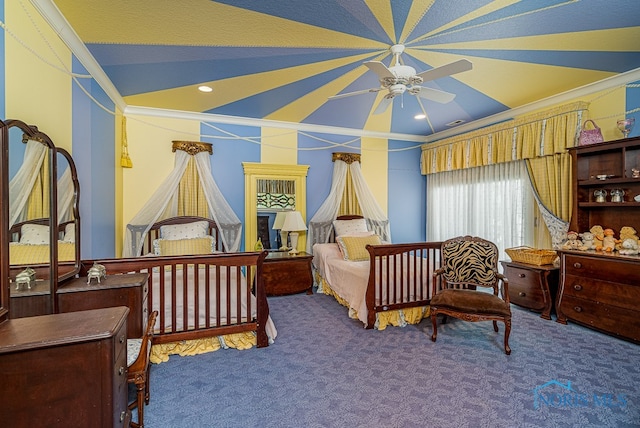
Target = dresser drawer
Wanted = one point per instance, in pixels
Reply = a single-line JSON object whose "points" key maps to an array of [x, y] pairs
{"points": [[526, 295], [532, 287], [610, 293], [612, 319], [603, 268]]}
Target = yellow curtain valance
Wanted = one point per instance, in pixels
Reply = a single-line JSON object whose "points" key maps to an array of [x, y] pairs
{"points": [[540, 134]]}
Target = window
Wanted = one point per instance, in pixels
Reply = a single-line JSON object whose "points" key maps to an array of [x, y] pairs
{"points": [[493, 202]]}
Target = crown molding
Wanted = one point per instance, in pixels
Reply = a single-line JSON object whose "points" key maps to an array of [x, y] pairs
{"points": [[60, 25], [574, 94], [247, 121]]}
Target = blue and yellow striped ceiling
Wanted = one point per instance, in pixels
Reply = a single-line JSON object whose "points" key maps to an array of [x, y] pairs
{"points": [[281, 60]]}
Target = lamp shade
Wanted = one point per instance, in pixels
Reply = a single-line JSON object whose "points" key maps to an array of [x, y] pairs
{"points": [[294, 222], [279, 220]]}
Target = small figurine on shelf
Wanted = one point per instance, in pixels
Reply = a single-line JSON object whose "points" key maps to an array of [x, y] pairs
{"points": [[608, 241], [598, 234], [629, 247], [635, 173], [588, 241], [572, 242], [628, 232]]}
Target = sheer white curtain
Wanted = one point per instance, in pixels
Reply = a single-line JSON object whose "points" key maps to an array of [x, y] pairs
{"points": [[164, 204], [320, 225], [493, 202], [21, 184]]}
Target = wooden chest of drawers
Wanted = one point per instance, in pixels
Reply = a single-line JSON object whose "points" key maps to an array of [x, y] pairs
{"points": [[286, 273], [533, 287], [601, 291], [65, 370], [128, 290]]}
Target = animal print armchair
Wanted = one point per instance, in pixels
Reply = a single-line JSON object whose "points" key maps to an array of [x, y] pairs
{"points": [[470, 264]]}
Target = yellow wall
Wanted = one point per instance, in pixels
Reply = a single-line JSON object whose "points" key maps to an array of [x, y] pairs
{"points": [[375, 169], [279, 146], [37, 93], [150, 150]]}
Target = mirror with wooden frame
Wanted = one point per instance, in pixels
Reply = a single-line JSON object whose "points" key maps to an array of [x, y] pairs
{"points": [[37, 246]]}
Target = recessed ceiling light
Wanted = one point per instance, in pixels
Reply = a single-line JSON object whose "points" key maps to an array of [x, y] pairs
{"points": [[420, 116], [205, 88]]}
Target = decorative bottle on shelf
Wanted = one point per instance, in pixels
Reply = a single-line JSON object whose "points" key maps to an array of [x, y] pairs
{"points": [[259, 246]]}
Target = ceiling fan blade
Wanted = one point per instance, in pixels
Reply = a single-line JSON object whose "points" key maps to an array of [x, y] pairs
{"points": [[384, 105], [446, 70], [380, 69], [433, 94], [349, 94]]}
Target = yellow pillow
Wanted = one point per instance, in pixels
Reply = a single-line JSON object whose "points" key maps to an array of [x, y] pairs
{"points": [[184, 247], [354, 247]]}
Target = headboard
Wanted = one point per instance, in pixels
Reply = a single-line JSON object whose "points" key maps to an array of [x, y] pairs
{"points": [[154, 232], [16, 230]]}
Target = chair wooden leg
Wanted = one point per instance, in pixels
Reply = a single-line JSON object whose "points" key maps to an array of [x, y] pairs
{"points": [[435, 328], [146, 386], [495, 326], [507, 331], [139, 404]]}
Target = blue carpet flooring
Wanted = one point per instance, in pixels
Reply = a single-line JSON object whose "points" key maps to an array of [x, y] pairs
{"points": [[326, 370]]}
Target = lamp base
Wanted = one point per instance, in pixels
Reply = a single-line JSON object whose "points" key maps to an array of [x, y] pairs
{"points": [[294, 242], [283, 238]]}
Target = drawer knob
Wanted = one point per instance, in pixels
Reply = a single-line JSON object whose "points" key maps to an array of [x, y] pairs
{"points": [[577, 287], [122, 416], [122, 339], [121, 370], [522, 294], [577, 308], [577, 265], [521, 275]]}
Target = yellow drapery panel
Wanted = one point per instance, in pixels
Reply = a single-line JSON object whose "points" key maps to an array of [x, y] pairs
{"points": [[551, 176], [349, 203], [540, 134], [191, 199], [38, 202]]}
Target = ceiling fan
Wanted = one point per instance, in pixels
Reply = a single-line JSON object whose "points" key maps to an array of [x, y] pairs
{"points": [[400, 78]]}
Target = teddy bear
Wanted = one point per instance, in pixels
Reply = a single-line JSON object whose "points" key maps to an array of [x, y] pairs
{"points": [[572, 242], [628, 232], [588, 242], [629, 247], [598, 235], [608, 241]]}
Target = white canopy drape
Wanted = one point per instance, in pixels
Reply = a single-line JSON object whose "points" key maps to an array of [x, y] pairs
{"points": [[164, 204], [320, 226], [21, 184]]}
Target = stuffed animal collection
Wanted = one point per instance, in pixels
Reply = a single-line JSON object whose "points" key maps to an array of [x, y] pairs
{"points": [[601, 239]]}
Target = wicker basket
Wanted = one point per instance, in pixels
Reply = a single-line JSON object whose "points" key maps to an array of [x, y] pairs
{"points": [[531, 256]]}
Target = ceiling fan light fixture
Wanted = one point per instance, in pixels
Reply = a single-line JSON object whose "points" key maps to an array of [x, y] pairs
{"points": [[205, 88], [420, 116]]}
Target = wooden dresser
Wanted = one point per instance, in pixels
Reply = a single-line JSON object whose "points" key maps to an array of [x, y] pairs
{"points": [[128, 290], [601, 291], [286, 273], [65, 370], [533, 287]]}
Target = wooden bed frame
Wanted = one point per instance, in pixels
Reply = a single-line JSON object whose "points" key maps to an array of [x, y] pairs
{"points": [[248, 263], [383, 277]]}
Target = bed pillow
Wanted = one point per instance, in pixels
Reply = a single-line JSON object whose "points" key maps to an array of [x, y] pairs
{"points": [[354, 247], [184, 247], [347, 227], [34, 234], [197, 229], [69, 233]]}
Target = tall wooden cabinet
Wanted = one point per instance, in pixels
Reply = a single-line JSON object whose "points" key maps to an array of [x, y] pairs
{"points": [[602, 290]]}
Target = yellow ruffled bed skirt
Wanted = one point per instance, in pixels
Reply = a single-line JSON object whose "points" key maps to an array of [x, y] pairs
{"points": [[160, 352], [396, 318]]}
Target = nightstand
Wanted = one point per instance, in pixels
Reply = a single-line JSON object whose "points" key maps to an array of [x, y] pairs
{"points": [[531, 286], [286, 273]]}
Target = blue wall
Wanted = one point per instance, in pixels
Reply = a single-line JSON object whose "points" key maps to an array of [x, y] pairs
{"points": [[94, 155]]}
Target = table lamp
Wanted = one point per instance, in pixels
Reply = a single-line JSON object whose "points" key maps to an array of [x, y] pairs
{"points": [[292, 224], [277, 225]]}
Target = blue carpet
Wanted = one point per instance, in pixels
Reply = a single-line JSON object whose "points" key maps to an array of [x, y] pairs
{"points": [[326, 370]]}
